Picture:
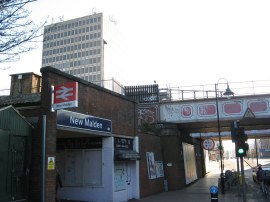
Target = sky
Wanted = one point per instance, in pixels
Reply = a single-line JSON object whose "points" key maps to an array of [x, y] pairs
{"points": [[173, 42]]}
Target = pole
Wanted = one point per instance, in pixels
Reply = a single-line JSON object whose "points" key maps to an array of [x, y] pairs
{"points": [[243, 179], [238, 176], [256, 151], [43, 158], [222, 180]]}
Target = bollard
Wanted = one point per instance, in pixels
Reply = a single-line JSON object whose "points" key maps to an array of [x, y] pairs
{"points": [[214, 193]]}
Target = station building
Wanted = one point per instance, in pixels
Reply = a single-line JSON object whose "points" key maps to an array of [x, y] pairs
{"points": [[107, 147]]}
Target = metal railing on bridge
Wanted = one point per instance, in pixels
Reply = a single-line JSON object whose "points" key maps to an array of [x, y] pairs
{"points": [[169, 93]]}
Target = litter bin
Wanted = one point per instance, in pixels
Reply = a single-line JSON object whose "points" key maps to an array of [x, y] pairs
{"points": [[214, 193]]}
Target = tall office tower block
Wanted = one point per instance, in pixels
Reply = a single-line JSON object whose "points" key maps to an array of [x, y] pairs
{"points": [[88, 47]]}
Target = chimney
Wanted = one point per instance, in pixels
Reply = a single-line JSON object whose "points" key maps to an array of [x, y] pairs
{"points": [[25, 83]]}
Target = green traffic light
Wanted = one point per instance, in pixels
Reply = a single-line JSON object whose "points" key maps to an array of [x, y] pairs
{"points": [[241, 151]]}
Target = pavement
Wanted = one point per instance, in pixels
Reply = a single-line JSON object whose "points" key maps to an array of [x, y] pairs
{"points": [[200, 190]]}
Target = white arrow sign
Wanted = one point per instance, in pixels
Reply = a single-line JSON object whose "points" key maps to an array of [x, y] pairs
{"points": [[64, 93]]}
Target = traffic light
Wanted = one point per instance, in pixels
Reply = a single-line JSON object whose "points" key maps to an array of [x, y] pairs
{"points": [[241, 147]]}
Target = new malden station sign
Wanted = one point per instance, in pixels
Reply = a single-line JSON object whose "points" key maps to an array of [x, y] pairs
{"points": [[83, 121], [66, 96]]}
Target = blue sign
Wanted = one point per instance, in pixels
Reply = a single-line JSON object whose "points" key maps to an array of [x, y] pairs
{"points": [[213, 189], [83, 121]]}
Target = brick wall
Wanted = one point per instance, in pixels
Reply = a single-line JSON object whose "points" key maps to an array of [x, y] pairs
{"points": [[149, 143]]}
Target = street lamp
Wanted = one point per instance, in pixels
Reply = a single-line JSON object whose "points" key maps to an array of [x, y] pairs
{"points": [[227, 93]]}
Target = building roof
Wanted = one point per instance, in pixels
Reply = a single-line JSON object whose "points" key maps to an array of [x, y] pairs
{"points": [[23, 99]]}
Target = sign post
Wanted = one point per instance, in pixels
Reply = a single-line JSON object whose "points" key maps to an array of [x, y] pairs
{"points": [[214, 193]]}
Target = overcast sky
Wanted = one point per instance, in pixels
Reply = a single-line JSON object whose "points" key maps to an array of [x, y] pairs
{"points": [[183, 42]]}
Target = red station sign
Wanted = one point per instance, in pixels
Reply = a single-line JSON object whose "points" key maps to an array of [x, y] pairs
{"points": [[65, 96]]}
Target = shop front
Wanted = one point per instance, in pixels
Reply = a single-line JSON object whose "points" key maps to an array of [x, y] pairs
{"points": [[93, 164]]}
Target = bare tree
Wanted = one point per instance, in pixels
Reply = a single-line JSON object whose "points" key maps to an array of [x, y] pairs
{"points": [[18, 33]]}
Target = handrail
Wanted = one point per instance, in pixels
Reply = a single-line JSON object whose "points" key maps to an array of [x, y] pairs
{"points": [[207, 90]]}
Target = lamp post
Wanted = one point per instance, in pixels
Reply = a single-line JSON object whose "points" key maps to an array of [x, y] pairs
{"points": [[227, 93]]}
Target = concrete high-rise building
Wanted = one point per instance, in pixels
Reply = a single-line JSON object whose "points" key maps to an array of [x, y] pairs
{"points": [[88, 47]]}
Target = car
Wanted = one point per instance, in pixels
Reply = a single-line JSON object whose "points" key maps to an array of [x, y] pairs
{"points": [[264, 167]]}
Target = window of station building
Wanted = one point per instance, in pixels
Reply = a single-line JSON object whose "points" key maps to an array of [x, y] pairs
{"points": [[86, 69], [94, 77], [98, 77]]}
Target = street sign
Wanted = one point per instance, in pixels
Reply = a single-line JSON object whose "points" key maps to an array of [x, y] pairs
{"points": [[208, 144], [249, 114], [213, 189], [65, 96]]}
